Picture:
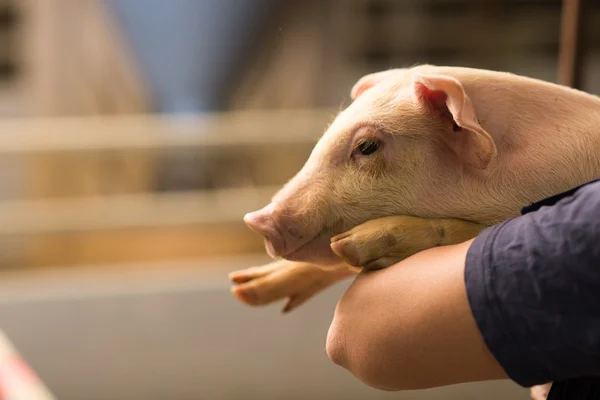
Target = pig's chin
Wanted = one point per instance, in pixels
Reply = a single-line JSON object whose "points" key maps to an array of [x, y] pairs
{"points": [[316, 251]]}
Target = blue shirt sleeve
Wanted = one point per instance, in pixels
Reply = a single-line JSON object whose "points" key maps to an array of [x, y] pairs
{"points": [[533, 284]]}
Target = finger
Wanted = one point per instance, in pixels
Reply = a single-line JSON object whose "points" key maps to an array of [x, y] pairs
{"points": [[275, 286], [248, 274]]}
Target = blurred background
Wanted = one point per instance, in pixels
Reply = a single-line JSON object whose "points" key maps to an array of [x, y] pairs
{"points": [[134, 135]]}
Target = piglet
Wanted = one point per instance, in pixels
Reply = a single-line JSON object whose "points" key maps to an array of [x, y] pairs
{"points": [[424, 156]]}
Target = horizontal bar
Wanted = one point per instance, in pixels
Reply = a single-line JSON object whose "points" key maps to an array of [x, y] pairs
{"points": [[155, 132], [131, 211]]}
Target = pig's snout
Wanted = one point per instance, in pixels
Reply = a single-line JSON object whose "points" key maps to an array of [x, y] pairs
{"points": [[264, 222], [291, 236]]}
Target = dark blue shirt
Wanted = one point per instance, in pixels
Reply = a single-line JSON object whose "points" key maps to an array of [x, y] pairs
{"points": [[533, 284]]}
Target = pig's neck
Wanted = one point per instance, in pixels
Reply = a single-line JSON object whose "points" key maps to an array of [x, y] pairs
{"points": [[548, 140]]}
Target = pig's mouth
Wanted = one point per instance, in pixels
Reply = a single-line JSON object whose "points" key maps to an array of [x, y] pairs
{"points": [[316, 250], [288, 239]]}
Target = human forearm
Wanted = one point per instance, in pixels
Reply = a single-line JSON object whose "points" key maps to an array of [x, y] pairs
{"points": [[528, 286], [410, 326]]}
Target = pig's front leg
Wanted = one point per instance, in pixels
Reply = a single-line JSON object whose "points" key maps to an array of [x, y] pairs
{"points": [[382, 242], [295, 281]]}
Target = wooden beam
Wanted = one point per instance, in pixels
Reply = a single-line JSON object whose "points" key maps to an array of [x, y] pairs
{"points": [[45, 216], [242, 128], [572, 28]]}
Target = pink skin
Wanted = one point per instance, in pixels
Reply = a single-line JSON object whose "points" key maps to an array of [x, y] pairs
{"points": [[540, 392], [280, 240], [341, 186], [453, 142], [290, 236]]}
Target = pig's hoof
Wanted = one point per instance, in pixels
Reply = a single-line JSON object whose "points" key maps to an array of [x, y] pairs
{"points": [[385, 241], [360, 254], [347, 250]]}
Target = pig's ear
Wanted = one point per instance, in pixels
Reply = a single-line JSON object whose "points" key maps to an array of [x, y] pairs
{"points": [[445, 97], [367, 82]]}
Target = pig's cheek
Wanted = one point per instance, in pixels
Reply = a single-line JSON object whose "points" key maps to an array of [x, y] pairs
{"points": [[317, 251], [324, 257]]}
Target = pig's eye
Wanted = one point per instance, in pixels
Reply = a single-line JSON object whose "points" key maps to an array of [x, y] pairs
{"points": [[368, 147]]}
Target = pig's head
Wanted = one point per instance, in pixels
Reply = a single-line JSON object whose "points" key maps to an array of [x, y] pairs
{"points": [[404, 136]]}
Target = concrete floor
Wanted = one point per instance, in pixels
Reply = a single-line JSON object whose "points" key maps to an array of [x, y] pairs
{"points": [[175, 332]]}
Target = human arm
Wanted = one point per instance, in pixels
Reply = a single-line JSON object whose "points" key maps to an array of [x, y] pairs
{"points": [[529, 309], [374, 244], [410, 326]]}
